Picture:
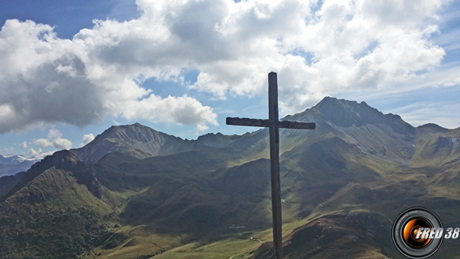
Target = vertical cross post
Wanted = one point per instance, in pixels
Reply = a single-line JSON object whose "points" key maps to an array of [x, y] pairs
{"points": [[274, 163], [274, 124]]}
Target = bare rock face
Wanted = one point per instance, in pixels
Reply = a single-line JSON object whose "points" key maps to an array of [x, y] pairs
{"points": [[134, 140]]}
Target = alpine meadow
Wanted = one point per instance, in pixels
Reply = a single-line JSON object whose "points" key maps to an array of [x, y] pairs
{"points": [[134, 192]]}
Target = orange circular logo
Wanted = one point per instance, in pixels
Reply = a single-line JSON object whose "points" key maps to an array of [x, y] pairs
{"points": [[415, 233]]}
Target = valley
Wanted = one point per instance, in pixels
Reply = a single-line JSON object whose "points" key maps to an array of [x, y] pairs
{"points": [[134, 192]]}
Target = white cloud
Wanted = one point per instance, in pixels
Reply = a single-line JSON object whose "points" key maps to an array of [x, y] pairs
{"points": [[86, 139], [23, 144], [62, 143], [42, 142], [54, 139], [352, 45], [181, 110], [54, 134], [420, 113], [38, 154]]}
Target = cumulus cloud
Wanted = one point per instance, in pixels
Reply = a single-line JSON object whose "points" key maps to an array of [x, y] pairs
{"points": [[181, 110], [38, 154], [23, 144], [42, 142], [316, 50], [55, 140], [420, 113], [54, 134], [86, 139], [61, 143]]}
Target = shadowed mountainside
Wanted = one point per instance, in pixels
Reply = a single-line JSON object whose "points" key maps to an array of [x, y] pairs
{"points": [[137, 193]]}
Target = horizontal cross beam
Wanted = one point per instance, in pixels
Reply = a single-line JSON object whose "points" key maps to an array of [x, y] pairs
{"points": [[268, 123], [274, 124]]}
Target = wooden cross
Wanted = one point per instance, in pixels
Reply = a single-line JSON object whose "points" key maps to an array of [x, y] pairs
{"points": [[274, 124]]}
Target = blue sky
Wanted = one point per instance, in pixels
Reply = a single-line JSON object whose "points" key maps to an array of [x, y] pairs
{"points": [[71, 69]]}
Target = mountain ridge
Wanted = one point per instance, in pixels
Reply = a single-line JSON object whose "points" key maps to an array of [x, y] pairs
{"points": [[140, 141], [341, 184]]}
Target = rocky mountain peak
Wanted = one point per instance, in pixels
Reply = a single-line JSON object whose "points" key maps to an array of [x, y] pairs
{"points": [[136, 140], [347, 113], [132, 132]]}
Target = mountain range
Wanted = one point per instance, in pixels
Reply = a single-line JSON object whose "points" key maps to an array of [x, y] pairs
{"points": [[134, 192], [13, 164]]}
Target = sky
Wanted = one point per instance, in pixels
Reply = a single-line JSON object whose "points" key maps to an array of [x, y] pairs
{"points": [[71, 69]]}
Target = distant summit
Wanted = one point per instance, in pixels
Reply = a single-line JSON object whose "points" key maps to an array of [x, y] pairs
{"points": [[331, 114], [135, 140], [341, 183], [140, 142], [346, 113], [384, 135], [10, 165]]}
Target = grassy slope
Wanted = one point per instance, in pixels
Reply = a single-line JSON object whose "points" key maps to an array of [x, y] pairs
{"points": [[369, 194], [339, 199], [361, 193], [430, 181], [51, 217]]}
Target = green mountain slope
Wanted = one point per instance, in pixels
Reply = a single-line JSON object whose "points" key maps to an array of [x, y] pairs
{"points": [[137, 193], [55, 211]]}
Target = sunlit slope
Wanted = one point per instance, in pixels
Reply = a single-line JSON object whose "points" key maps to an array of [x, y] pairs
{"points": [[371, 185], [343, 184], [436, 146], [58, 210]]}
